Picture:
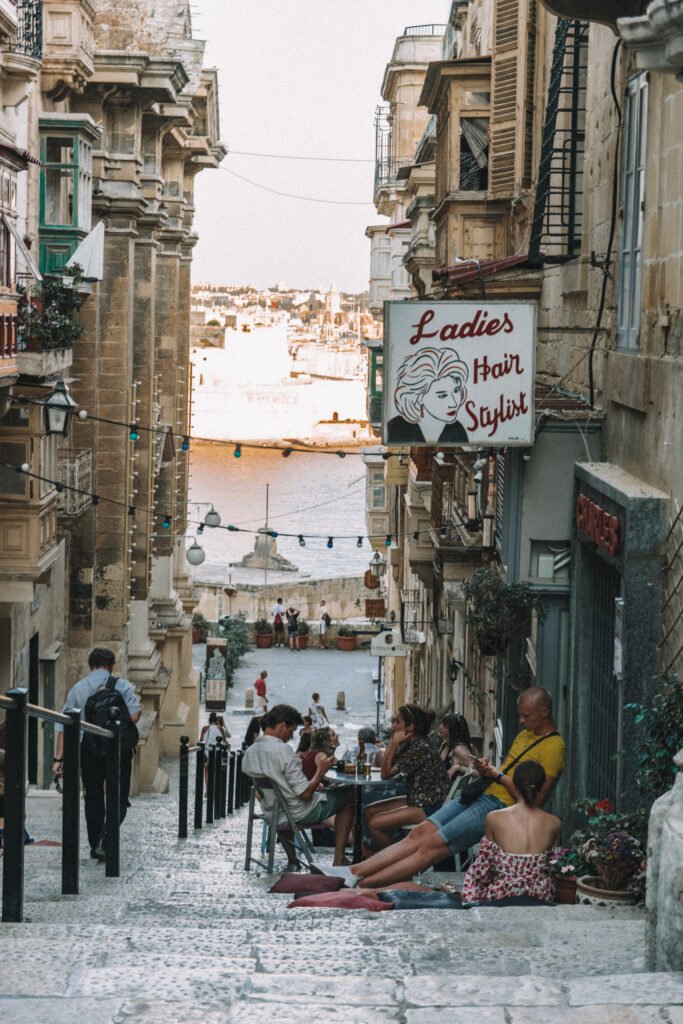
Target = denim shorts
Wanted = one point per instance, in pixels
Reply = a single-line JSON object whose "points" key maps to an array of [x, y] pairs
{"points": [[460, 825]]}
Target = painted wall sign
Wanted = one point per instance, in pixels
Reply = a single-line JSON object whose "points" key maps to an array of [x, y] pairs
{"points": [[389, 644], [598, 525], [459, 373]]}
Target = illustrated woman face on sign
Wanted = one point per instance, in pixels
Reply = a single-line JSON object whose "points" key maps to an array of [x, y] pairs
{"points": [[430, 389]]}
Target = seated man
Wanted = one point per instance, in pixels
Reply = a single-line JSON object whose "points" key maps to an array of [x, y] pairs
{"points": [[271, 757], [457, 826]]}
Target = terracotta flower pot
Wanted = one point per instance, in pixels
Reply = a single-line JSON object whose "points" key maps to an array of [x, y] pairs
{"points": [[346, 643], [303, 642], [565, 886], [591, 892], [264, 640]]}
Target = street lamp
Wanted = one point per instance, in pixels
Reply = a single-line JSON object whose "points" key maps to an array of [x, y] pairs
{"points": [[58, 409], [195, 554], [454, 667], [212, 518], [377, 565]]}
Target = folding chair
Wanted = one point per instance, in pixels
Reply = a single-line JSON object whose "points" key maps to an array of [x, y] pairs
{"points": [[462, 857], [271, 820]]}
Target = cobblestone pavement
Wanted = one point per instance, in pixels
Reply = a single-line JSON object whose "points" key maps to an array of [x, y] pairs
{"points": [[186, 936]]}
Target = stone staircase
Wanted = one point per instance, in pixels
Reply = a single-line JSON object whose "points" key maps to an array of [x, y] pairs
{"points": [[185, 936]]}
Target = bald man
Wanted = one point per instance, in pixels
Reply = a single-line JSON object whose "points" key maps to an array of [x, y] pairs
{"points": [[457, 826]]}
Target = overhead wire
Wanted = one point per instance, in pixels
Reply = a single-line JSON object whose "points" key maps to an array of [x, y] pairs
{"points": [[292, 195], [322, 159]]}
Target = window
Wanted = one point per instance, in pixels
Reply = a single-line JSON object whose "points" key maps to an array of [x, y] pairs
{"points": [[474, 154], [67, 181], [631, 246], [13, 484]]}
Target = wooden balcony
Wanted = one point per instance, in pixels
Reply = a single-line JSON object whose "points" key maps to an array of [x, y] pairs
{"points": [[28, 539], [8, 338]]}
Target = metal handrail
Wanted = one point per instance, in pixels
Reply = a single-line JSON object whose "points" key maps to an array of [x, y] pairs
{"points": [[18, 711]]}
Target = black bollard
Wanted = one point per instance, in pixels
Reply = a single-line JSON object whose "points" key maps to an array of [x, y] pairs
{"points": [[217, 780], [210, 798], [231, 782], [112, 774], [183, 781], [16, 750], [199, 786], [238, 780], [224, 778], [71, 804]]}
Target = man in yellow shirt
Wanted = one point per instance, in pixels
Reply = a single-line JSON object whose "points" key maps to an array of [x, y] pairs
{"points": [[457, 826]]}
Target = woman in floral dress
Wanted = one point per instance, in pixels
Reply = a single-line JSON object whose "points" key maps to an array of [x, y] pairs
{"points": [[409, 753], [514, 855]]}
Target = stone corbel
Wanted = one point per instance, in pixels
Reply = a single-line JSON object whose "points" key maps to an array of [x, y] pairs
{"points": [[656, 37]]}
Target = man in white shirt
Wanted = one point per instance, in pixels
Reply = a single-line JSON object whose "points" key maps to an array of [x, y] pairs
{"points": [[271, 757]]}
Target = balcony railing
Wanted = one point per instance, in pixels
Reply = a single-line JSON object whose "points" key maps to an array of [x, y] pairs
{"points": [[29, 37], [425, 30], [8, 336], [75, 473]]}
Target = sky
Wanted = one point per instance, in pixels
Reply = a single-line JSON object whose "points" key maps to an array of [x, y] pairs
{"points": [[296, 78]]}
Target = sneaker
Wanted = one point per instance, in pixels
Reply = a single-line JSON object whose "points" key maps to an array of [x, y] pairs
{"points": [[342, 871]]}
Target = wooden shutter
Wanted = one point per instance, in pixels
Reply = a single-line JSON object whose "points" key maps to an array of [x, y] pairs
{"points": [[512, 96]]}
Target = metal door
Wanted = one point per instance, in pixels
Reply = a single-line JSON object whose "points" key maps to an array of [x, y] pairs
{"points": [[602, 692]]}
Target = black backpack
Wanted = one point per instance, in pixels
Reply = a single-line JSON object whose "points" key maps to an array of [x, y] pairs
{"points": [[97, 709]]}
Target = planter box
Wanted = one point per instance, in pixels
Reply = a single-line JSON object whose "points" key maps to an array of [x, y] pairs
{"points": [[264, 640], [590, 892], [346, 643], [565, 886]]}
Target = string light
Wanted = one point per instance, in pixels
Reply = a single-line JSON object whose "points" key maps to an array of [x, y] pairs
{"points": [[330, 542], [388, 540], [342, 455], [185, 446], [302, 542], [133, 433], [286, 452], [200, 528], [131, 510], [166, 523], [95, 499], [238, 451], [359, 542]]}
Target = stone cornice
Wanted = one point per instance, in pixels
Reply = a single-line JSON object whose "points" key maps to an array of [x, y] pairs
{"points": [[656, 37], [441, 72], [164, 80]]}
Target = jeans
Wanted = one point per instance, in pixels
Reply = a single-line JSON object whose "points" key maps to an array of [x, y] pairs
{"points": [[461, 826]]}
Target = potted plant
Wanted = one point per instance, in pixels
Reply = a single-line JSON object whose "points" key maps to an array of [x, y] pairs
{"points": [[200, 628], [264, 633], [610, 847], [566, 867], [346, 638], [499, 612], [304, 630]]}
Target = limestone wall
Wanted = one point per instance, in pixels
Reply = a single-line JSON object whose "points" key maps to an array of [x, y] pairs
{"points": [[344, 597]]}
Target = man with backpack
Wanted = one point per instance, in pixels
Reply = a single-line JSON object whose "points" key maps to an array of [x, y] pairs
{"points": [[278, 613], [95, 695]]}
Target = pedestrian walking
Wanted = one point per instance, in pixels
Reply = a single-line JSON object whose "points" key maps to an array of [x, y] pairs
{"points": [[293, 627], [278, 613], [261, 691], [317, 713], [101, 663], [323, 622]]}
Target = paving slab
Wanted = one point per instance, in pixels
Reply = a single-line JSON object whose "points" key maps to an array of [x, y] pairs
{"points": [[465, 1014], [475, 990], [627, 989], [602, 1014]]}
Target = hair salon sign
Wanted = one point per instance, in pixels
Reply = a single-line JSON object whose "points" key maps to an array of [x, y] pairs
{"points": [[459, 373]]}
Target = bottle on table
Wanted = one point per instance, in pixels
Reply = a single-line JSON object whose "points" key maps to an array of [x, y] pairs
{"points": [[362, 758]]}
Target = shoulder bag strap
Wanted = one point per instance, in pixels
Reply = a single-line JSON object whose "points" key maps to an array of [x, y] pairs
{"points": [[530, 747]]}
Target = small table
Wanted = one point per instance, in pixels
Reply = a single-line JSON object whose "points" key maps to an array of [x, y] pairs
{"points": [[359, 781]]}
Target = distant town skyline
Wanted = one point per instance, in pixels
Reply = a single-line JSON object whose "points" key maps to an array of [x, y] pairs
{"points": [[296, 80]]}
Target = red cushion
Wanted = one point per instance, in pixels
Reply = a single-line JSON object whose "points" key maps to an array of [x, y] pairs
{"points": [[291, 882], [345, 899]]}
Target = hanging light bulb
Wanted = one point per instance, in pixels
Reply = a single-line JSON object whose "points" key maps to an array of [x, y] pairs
{"points": [[212, 518], [166, 522], [386, 455], [232, 529], [186, 444], [302, 542], [238, 451], [273, 534], [342, 455], [330, 542], [359, 542], [133, 432], [195, 554], [95, 499], [200, 528], [131, 510], [286, 452], [387, 542], [416, 535]]}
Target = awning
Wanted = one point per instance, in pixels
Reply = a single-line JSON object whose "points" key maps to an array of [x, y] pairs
{"points": [[19, 158], [90, 254], [21, 246], [470, 270]]}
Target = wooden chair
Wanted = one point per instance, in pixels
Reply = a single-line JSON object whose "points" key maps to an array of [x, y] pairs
{"points": [[271, 819]]}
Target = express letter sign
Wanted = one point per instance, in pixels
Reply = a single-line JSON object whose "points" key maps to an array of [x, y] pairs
{"points": [[598, 525]]}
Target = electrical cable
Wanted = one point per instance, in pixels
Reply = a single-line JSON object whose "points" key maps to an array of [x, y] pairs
{"points": [[323, 159], [612, 228], [291, 195]]}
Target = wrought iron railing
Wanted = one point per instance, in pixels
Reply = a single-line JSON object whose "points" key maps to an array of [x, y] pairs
{"points": [[75, 475], [425, 30], [29, 37]]}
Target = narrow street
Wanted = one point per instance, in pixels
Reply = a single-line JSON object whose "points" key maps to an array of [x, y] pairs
{"points": [[185, 936]]}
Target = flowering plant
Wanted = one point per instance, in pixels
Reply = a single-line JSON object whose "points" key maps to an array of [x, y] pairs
{"points": [[565, 862], [602, 818], [616, 858]]}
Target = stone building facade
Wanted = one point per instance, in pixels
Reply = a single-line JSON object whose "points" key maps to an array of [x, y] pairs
{"points": [[125, 118], [555, 150]]}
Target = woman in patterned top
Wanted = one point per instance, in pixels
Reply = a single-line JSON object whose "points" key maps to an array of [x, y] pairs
{"points": [[514, 855], [410, 753]]}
